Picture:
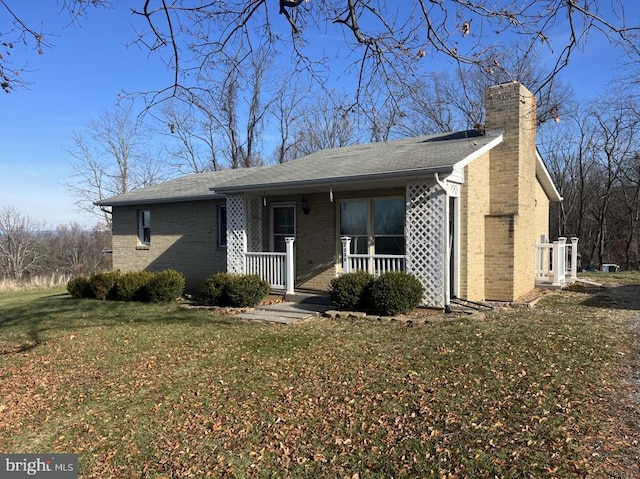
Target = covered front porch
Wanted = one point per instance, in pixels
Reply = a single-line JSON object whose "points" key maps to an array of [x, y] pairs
{"points": [[302, 245], [279, 268]]}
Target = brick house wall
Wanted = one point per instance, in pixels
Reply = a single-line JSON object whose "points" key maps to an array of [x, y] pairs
{"points": [[474, 207], [542, 206], [513, 223], [184, 236]]}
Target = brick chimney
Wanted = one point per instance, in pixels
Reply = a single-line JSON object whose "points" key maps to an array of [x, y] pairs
{"points": [[509, 268]]}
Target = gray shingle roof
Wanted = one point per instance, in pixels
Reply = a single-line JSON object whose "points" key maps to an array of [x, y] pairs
{"points": [[186, 188], [397, 158]]}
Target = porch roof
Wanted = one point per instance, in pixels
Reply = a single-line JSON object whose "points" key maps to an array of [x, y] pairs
{"points": [[405, 158], [191, 187]]}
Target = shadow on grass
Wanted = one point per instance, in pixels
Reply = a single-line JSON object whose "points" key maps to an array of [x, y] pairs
{"points": [[27, 325], [624, 297]]}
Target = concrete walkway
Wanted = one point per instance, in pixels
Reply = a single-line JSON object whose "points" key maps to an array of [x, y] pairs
{"points": [[289, 312]]}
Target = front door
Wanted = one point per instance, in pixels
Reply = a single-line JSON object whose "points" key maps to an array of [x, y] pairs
{"points": [[283, 225]]}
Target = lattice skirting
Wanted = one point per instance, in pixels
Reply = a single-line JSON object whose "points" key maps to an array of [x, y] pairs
{"points": [[425, 226]]}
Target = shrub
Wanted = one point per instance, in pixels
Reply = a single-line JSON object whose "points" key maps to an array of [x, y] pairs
{"points": [[396, 293], [246, 290], [350, 291], [164, 286], [102, 284], [79, 287], [214, 291], [130, 286]]}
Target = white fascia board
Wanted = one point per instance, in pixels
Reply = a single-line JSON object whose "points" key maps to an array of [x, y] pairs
{"points": [[458, 169], [545, 180], [479, 152]]}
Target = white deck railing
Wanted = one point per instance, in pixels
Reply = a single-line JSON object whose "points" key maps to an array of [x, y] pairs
{"points": [[554, 261], [376, 264]]}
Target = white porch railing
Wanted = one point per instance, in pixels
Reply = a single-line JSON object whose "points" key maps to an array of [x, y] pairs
{"points": [[554, 261], [276, 268], [269, 266], [375, 264]]}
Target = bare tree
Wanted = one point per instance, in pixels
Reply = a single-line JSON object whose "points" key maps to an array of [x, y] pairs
{"points": [[287, 111], [194, 149], [231, 110], [386, 41], [324, 123], [21, 249], [76, 251], [592, 157], [110, 158], [614, 139], [16, 33], [448, 101]]}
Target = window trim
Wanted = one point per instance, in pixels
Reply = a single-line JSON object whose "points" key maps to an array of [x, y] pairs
{"points": [[142, 227]]}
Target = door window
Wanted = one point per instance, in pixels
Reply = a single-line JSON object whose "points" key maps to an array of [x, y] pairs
{"points": [[284, 226]]}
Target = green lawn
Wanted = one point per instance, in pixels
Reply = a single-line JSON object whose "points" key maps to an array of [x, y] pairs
{"points": [[143, 390]]}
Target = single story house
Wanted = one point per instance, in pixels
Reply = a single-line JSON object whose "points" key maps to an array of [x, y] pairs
{"points": [[460, 211]]}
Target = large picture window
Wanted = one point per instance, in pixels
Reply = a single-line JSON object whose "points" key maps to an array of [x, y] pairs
{"points": [[375, 225]]}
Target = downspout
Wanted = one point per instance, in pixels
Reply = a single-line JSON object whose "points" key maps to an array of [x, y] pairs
{"points": [[447, 252]]}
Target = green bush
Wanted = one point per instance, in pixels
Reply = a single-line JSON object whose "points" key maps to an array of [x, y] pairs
{"points": [[103, 284], [79, 287], [214, 291], [246, 290], [396, 293], [350, 291], [130, 286], [164, 286]]}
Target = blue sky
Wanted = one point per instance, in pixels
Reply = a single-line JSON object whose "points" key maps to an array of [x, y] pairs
{"points": [[81, 77]]}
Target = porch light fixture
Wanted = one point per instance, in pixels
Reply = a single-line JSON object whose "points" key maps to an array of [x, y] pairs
{"points": [[305, 206]]}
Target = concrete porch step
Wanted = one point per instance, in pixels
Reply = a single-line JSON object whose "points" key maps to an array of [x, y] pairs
{"points": [[287, 312]]}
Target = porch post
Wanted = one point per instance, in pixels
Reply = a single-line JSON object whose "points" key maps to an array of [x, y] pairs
{"points": [[558, 261], [346, 247], [289, 265], [574, 259]]}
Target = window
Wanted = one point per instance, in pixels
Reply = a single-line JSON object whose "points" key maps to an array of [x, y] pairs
{"points": [[222, 226], [376, 226], [354, 217], [388, 226], [144, 227]]}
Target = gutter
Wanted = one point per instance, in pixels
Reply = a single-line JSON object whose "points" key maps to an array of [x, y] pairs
{"points": [[167, 199], [447, 249]]}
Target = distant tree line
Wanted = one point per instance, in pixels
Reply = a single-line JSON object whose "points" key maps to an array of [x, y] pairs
{"points": [[594, 159], [28, 250]]}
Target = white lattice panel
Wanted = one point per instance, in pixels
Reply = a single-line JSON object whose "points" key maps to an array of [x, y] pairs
{"points": [[236, 234], [425, 239], [254, 223]]}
